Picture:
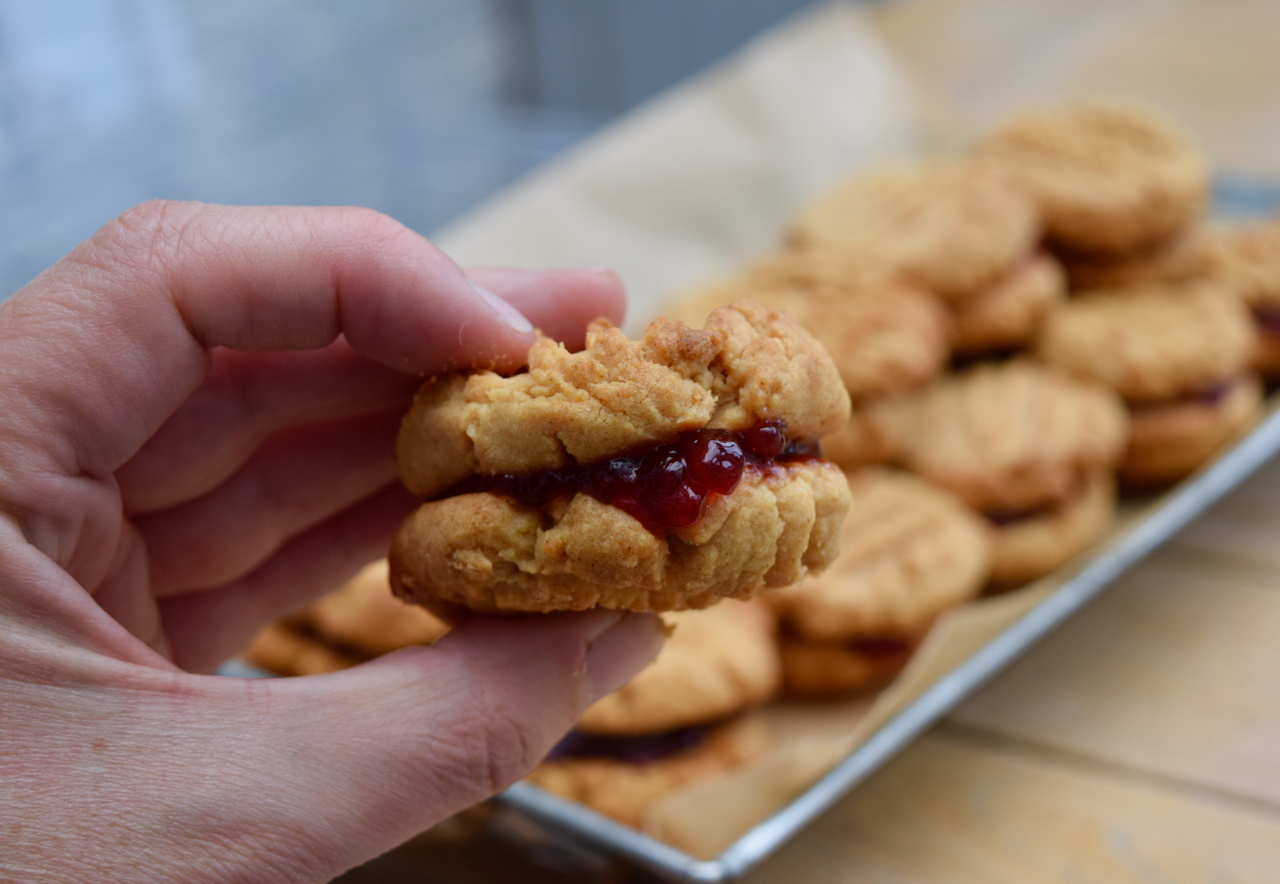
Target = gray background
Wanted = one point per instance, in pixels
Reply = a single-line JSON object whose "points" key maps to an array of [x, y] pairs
{"points": [[418, 109]]}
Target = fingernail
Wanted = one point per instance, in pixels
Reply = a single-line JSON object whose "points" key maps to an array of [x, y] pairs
{"points": [[509, 315], [619, 652]]}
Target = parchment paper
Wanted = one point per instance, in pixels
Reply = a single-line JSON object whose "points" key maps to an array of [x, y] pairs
{"points": [[692, 185], [686, 190]]}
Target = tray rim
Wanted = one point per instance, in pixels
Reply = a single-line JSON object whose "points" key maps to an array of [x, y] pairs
{"points": [[1170, 514]]}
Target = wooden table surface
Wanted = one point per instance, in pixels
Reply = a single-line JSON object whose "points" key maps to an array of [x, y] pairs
{"points": [[1141, 741]]}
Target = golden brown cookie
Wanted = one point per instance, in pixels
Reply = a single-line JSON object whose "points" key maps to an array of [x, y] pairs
{"points": [[822, 670], [908, 551], [1009, 437], [1169, 441], [1031, 545], [1107, 177], [1150, 344], [953, 226], [651, 475], [1007, 316], [623, 790], [363, 615], [491, 553], [1247, 260], [715, 664]]}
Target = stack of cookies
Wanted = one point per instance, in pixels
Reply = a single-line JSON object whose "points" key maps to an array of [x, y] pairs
{"points": [[1023, 329]]}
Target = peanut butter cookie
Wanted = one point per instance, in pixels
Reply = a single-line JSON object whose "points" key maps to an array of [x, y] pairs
{"points": [[653, 475]]}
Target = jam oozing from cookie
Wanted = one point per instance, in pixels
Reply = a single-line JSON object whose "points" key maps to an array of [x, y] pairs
{"points": [[663, 486], [641, 749]]}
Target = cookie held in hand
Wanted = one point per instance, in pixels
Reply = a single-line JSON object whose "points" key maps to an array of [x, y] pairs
{"points": [[650, 475]]}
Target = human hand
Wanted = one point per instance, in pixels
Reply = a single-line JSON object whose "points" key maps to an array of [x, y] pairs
{"points": [[197, 415]]}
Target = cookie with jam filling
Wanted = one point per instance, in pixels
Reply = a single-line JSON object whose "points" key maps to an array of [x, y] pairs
{"points": [[1028, 447], [909, 551], [1246, 259], [651, 475], [678, 721], [1108, 178], [356, 622], [1178, 355]]}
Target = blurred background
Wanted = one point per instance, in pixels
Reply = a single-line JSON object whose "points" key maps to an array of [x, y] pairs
{"points": [[418, 108]]}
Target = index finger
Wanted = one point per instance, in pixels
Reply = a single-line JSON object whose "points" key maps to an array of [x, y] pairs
{"points": [[100, 349]]}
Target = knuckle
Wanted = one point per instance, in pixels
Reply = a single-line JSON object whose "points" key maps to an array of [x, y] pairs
{"points": [[488, 748], [149, 238]]}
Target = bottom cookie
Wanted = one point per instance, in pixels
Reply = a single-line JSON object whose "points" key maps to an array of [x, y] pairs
{"points": [[1169, 441], [815, 670], [1029, 548], [624, 789]]}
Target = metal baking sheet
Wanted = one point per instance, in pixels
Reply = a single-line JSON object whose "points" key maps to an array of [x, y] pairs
{"points": [[592, 833]]}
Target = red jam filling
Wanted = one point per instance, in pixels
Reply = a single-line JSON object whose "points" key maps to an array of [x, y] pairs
{"points": [[663, 486], [641, 749], [1211, 395], [1214, 393], [882, 647], [1003, 518], [1268, 320]]}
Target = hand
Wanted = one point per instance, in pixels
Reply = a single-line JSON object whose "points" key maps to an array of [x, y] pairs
{"points": [[197, 415]]}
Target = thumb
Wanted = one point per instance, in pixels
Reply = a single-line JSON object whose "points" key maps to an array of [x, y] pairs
{"points": [[396, 745]]}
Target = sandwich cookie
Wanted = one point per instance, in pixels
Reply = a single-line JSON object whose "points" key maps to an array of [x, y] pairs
{"points": [[1179, 356], [909, 551], [1247, 260], [357, 622], [1107, 178], [1028, 447], [654, 475], [678, 720]]}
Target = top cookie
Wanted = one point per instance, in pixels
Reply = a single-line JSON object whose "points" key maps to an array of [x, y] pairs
{"points": [[886, 335], [1151, 343], [747, 366], [716, 663], [953, 226], [1106, 177], [1006, 437]]}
